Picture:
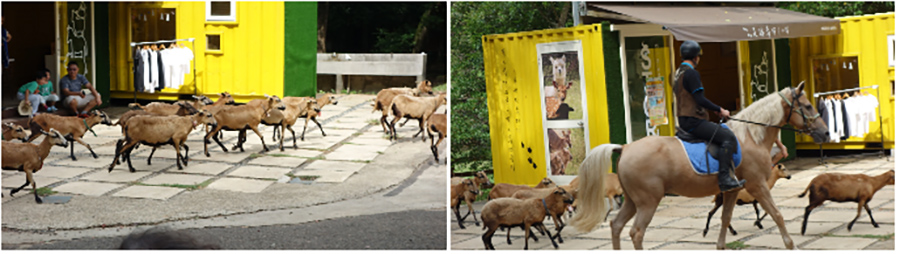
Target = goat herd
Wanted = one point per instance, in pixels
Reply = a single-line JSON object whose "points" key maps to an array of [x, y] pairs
{"points": [[158, 124], [525, 207]]}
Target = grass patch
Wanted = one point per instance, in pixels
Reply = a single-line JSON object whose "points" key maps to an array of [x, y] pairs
{"points": [[283, 155], [439, 88], [879, 237], [308, 178], [372, 122], [736, 245], [256, 155], [44, 191], [182, 186]]}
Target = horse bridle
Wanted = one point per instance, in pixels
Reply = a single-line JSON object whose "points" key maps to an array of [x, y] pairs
{"points": [[807, 120]]}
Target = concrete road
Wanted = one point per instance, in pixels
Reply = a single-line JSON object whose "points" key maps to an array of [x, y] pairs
{"points": [[411, 215]]}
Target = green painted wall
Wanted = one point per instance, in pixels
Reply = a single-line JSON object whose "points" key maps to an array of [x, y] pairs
{"points": [[783, 63], [614, 94], [101, 43], [300, 48]]}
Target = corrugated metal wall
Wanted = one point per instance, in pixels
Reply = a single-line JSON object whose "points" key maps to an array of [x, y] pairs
{"points": [[866, 38], [250, 64], [514, 101]]}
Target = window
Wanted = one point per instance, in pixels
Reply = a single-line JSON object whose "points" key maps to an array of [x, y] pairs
{"points": [[892, 53], [221, 11], [152, 24], [836, 73], [213, 42]]}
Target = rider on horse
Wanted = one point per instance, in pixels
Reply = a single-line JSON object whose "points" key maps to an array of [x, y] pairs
{"points": [[693, 116]]}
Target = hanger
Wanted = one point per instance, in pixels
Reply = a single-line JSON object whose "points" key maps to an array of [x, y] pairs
{"points": [[146, 47], [162, 46], [172, 45], [855, 94], [153, 47], [846, 96]]}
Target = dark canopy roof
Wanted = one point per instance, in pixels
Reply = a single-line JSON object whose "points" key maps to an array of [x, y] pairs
{"points": [[728, 23]]}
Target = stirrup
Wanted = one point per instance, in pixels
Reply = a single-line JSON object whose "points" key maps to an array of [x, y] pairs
{"points": [[727, 188]]}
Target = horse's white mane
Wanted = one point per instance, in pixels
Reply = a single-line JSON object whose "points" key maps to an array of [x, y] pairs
{"points": [[767, 110]]}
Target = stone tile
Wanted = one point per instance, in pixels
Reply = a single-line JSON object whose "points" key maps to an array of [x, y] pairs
{"points": [[681, 211], [149, 192], [882, 245], [863, 226], [317, 145], [648, 245], [260, 172], [813, 228], [774, 240], [140, 164], [116, 176], [349, 156], [843, 215], [667, 234], [882, 216], [378, 134], [14, 181], [335, 166], [206, 168], [688, 246], [85, 161], [61, 172], [183, 179], [240, 185], [744, 229], [87, 188], [301, 152], [839, 243], [352, 125], [578, 244], [217, 155], [110, 150], [280, 161], [327, 176]]}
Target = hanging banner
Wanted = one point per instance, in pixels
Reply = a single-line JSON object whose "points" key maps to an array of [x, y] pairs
{"points": [[77, 37], [762, 75], [646, 63]]}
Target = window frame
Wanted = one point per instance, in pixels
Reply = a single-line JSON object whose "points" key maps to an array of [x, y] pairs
{"points": [[232, 17], [891, 44], [221, 49]]}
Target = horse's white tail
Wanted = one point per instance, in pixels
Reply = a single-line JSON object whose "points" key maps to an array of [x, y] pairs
{"points": [[591, 189]]}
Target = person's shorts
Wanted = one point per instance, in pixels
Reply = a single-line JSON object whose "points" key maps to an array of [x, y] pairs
{"points": [[81, 101], [774, 151]]}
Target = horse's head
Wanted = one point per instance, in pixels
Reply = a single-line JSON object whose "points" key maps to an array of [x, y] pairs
{"points": [[801, 114]]}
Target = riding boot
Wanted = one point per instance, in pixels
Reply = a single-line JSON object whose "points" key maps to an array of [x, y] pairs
{"points": [[727, 181]]}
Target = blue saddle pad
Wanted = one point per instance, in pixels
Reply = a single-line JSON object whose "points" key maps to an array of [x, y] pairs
{"points": [[697, 151]]}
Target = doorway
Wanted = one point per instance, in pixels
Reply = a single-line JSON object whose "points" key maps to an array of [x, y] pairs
{"points": [[32, 46], [720, 75]]}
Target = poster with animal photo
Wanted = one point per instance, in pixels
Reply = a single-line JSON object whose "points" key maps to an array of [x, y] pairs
{"points": [[566, 150], [562, 85]]}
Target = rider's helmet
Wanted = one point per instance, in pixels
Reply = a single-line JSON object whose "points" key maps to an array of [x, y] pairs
{"points": [[690, 49]]}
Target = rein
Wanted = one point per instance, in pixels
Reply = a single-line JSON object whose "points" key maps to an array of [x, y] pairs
{"points": [[806, 119]]}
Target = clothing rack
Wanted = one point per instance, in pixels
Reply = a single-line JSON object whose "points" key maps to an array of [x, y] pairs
{"points": [[880, 123], [194, 75]]}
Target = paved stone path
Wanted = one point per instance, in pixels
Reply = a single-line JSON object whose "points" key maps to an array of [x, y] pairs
{"points": [[344, 164], [679, 221]]}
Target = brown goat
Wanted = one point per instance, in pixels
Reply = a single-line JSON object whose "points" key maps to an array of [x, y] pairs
{"points": [[555, 214], [326, 99], [838, 187], [160, 130], [437, 123], [71, 127], [239, 118], [511, 212], [166, 109], [502, 190], [465, 190], [385, 97], [225, 98], [481, 180], [29, 157], [744, 198], [288, 117], [184, 109], [14, 131], [419, 108]]}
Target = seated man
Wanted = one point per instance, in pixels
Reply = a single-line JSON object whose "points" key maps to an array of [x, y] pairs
{"points": [[48, 96], [28, 91], [76, 99]]}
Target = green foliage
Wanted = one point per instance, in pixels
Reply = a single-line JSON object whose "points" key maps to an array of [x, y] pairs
{"points": [[471, 142], [838, 9], [736, 245], [44, 191]]}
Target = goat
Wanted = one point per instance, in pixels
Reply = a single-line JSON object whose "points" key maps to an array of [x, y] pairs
{"points": [[555, 214], [481, 180], [183, 110], [288, 117], [160, 130], [418, 108], [838, 187], [71, 127], [437, 123], [238, 118], [29, 157], [744, 198], [14, 131], [274, 114], [464, 190], [502, 190], [385, 97], [511, 212], [225, 98], [166, 109], [325, 99]]}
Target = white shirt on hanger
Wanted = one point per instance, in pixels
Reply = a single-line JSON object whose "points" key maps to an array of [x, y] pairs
{"points": [[145, 57]]}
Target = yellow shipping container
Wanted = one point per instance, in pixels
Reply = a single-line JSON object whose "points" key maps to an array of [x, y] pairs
{"points": [[512, 73], [864, 40]]}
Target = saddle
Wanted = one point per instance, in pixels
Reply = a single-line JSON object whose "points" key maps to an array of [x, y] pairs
{"points": [[711, 148]]}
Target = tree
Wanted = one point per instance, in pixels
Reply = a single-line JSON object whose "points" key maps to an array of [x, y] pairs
{"points": [[469, 21], [323, 26], [838, 9]]}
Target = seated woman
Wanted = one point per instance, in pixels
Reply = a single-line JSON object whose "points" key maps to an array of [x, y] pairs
{"points": [[28, 91]]}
